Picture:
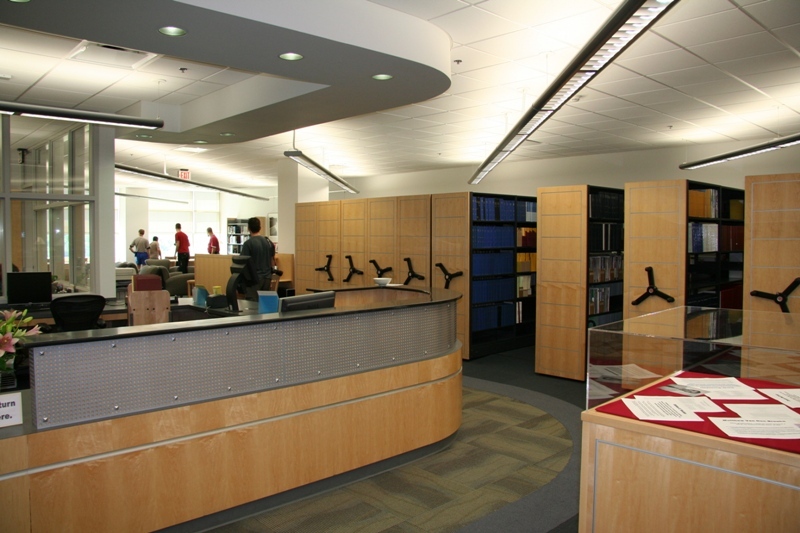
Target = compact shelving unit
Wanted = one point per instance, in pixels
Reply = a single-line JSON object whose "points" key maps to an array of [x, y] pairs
{"points": [[503, 272], [580, 273], [691, 236]]}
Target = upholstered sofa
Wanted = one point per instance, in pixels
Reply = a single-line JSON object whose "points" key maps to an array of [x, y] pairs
{"points": [[172, 279]]}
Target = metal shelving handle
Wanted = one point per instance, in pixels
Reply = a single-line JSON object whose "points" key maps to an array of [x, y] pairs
{"points": [[353, 270], [448, 276], [779, 298], [381, 271], [652, 290], [326, 268], [411, 273]]}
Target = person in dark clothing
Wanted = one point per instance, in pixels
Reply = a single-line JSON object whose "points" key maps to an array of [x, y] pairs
{"points": [[262, 253]]}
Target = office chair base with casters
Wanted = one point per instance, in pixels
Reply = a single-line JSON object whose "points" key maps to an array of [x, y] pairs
{"points": [[77, 312]]}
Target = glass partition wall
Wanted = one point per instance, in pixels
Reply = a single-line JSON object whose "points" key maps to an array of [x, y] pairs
{"points": [[48, 201]]}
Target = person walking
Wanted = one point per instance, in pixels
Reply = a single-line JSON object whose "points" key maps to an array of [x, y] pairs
{"points": [[155, 249], [182, 249], [139, 247], [262, 253], [213, 242]]}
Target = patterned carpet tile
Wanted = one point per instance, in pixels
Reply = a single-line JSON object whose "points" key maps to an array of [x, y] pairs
{"points": [[505, 450]]}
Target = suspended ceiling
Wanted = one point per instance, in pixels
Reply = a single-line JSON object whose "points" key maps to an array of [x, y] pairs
{"points": [[464, 71]]}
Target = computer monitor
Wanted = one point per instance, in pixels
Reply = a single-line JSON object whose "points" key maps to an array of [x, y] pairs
{"points": [[29, 287], [314, 300]]}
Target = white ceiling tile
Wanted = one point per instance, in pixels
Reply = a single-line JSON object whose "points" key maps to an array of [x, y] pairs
{"points": [[519, 44], [783, 60], [54, 97], [701, 30], [11, 91], [755, 44], [470, 25], [790, 35], [691, 76], [672, 60], [621, 88], [773, 78], [468, 58], [648, 44], [692, 9], [536, 12], [424, 9], [40, 44], [739, 97], [201, 88], [776, 13], [24, 67], [106, 104]]}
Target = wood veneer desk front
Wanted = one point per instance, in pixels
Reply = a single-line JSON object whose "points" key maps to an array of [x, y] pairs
{"points": [[330, 391]]}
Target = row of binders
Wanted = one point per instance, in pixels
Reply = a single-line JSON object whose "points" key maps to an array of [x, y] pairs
{"points": [[526, 237], [526, 211], [493, 263], [605, 268], [600, 298], [605, 237], [606, 204], [493, 237], [493, 290], [493, 209], [501, 315], [702, 237], [526, 262]]}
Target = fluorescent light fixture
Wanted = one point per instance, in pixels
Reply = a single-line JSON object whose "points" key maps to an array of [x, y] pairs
{"points": [[150, 198], [629, 21], [166, 177], [781, 142], [77, 115], [299, 157]]}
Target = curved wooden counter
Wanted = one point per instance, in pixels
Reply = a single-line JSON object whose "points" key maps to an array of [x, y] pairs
{"points": [[150, 470]]}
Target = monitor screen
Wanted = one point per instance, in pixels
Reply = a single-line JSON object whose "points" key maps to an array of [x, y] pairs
{"points": [[315, 300], [29, 287]]}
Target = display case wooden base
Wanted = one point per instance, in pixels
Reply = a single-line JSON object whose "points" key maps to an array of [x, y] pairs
{"points": [[639, 476]]}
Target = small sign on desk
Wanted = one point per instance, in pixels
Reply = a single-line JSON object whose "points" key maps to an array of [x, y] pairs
{"points": [[10, 409]]}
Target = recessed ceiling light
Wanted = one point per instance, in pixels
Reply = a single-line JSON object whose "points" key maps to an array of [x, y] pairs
{"points": [[291, 56], [227, 134], [144, 136], [20, 1], [172, 31], [200, 141], [191, 149], [382, 77]]}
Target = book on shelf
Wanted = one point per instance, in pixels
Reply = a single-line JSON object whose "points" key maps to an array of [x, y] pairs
{"points": [[703, 203], [526, 211], [605, 268], [526, 237], [605, 236], [526, 261], [702, 237], [606, 204], [493, 209]]}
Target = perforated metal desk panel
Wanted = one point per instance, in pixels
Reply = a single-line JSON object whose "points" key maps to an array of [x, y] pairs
{"points": [[86, 376]]}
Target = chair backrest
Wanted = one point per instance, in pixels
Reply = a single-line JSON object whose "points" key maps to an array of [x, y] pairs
{"points": [[158, 262], [77, 312], [147, 307]]}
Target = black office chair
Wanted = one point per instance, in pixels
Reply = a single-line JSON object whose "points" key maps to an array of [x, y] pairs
{"points": [[78, 312]]}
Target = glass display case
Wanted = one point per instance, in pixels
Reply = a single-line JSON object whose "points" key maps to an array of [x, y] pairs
{"points": [[626, 355]]}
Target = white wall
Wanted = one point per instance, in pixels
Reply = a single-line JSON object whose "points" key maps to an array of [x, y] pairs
{"points": [[611, 170]]}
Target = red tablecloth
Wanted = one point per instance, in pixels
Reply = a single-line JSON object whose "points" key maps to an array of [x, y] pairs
{"points": [[618, 407]]}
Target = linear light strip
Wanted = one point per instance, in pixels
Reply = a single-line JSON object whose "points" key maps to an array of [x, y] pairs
{"points": [[78, 115], [781, 142], [629, 21], [150, 197], [302, 159], [167, 177]]}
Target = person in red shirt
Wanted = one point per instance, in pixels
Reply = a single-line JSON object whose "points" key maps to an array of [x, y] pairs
{"points": [[182, 249], [213, 242]]}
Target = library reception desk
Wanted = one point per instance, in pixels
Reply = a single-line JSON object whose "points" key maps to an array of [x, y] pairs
{"points": [[141, 428]]}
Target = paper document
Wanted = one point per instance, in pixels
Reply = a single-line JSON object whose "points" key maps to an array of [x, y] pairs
{"points": [[747, 428], [788, 397], [698, 404], [617, 373], [662, 408], [720, 388], [762, 411]]}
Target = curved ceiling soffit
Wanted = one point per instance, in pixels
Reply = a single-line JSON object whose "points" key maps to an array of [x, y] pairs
{"points": [[333, 81]]}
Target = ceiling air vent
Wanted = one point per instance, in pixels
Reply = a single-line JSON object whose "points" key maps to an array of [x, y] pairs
{"points": [[110, 56]]}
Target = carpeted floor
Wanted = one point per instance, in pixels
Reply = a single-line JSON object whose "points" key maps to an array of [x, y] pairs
{"points": [[492, 478]]}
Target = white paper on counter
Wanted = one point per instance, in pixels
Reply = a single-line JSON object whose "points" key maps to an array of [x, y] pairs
{"points": [[747, 428], [617, 373], [788, 397], [721, 388], [661, 408], [770, 411], [695, 404]]}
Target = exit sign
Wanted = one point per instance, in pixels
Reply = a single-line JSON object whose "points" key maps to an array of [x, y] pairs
{"points": [[184, 174]]}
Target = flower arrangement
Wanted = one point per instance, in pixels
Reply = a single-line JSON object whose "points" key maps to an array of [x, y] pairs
{"points": [[12, 332]]}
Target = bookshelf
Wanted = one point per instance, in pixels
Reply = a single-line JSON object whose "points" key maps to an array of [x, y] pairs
{"points": [[580, 272], [503, 272], [238, 234]]}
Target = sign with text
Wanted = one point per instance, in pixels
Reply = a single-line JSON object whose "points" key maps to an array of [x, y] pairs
{"points": [[185, 174], [10, 409]]}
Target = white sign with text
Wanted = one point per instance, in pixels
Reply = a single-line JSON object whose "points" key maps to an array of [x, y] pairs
{"points": [[10, 409]]}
